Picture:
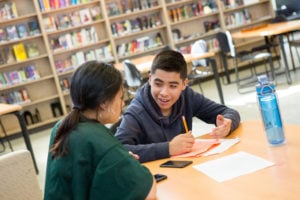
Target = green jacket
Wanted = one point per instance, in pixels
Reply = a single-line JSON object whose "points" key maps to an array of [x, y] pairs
{"points": [[96, 167]]}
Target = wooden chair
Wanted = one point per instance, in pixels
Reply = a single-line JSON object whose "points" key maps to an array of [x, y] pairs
{"points": [[17, 177], [6, 109]]}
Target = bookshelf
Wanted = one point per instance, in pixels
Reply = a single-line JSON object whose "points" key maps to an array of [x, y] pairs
{"points": [[26, 75], [43, 41]]}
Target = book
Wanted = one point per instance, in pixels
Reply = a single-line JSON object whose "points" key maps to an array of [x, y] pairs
{"points": [[41, 4], [2, 35], [9, 55], [34, 28], [2, 57], [95, 13], [8, 11], [46, 5], [12, 33], [85, 16], [19, 52], [32, 50], [75, 18], [22, 30], [49, 24], [64, 22]]}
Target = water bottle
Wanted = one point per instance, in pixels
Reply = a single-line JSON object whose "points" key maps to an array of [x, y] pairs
{"points": [[268, 104]]}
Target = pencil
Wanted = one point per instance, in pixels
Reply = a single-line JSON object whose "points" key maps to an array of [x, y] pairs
{"points": [[184, 124]]}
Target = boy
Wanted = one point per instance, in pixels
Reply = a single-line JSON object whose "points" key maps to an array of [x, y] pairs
{"points": [[152, 125]]}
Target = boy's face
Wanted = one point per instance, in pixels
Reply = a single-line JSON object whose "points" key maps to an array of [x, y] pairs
{"points": [[166, 88]]}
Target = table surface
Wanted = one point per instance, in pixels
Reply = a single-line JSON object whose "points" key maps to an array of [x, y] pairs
{"points": [[9, 108], [143, 63], [280, 181], [268, 29]]}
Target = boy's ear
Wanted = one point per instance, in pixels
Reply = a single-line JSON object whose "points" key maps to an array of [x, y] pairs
{"points": [[185, 83], [103, 106]]}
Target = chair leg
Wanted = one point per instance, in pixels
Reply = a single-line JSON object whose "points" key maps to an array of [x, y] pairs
{"points": [[6, 137], [3, 146], [200, 87]]}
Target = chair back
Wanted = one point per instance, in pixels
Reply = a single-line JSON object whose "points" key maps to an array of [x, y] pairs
{"points": [[199, 47], [18, 179], [226, 43], [132, 75]]}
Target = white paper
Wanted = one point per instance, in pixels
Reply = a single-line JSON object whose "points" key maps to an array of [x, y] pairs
{"points": [[223, 146], [234, 165]]}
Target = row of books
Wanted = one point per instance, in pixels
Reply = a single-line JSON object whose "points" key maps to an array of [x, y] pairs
{"points": [[18, 76], [134, 25], [19, 31], [15, 97], [18, 52], [139, 45], [47, 5], [8, 11], [212, 45], [74, 39], [192, 10], [233, 3], [118, 7], [73, 19], [238, 18], [101, 54]]}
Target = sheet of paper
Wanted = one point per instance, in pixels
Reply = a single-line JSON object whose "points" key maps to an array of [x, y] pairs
{"points": [[224, 145], [206, 147], [200, 146], [234, 165]]}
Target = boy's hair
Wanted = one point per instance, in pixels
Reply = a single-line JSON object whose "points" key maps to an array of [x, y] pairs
{"points": [[170, 61]]}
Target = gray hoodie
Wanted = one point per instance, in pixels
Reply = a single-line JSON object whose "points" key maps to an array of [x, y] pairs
{"points": [[146, 132]]}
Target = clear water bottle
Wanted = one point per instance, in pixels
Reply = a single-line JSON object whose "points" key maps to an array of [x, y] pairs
{"points": [[268, 104]]}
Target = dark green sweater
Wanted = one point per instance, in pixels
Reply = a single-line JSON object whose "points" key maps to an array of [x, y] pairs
{"points": [[96, 167]]}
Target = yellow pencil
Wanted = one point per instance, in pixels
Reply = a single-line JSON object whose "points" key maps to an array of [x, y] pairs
{"points": [[184, 124]]}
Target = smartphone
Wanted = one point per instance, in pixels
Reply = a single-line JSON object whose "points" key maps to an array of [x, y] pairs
{"points": [[176, 163], [160, 177]]}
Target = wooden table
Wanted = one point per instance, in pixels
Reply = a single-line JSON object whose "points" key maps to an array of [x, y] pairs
{"points": [[280, 181], [6, 109], [271, 29], [144, 64]]}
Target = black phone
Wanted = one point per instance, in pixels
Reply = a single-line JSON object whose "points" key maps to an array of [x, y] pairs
{"points": [[176, 163], [160, 177]]}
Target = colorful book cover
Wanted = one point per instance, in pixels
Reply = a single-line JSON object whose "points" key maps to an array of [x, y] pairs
{"points": [[49, 24], [95, 13], [2, 35], [12, 33], [2, 58], [13, 10], [63, 3], [19, 52], [64, 21], [46, 5], [41, 4], [9, 55], [22, 30], [34, 28], [75, 19], [85, 16], [32, 50]]}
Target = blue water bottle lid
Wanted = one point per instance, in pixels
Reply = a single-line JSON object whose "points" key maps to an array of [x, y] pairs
{"points": [[264, 85]]}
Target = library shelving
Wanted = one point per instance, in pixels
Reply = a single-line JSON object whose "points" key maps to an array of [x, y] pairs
{"points": [[43, 41], [26, 75]]}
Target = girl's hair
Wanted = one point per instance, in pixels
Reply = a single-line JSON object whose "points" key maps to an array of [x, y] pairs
{"points": [[92, 84], [170, 61]]}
